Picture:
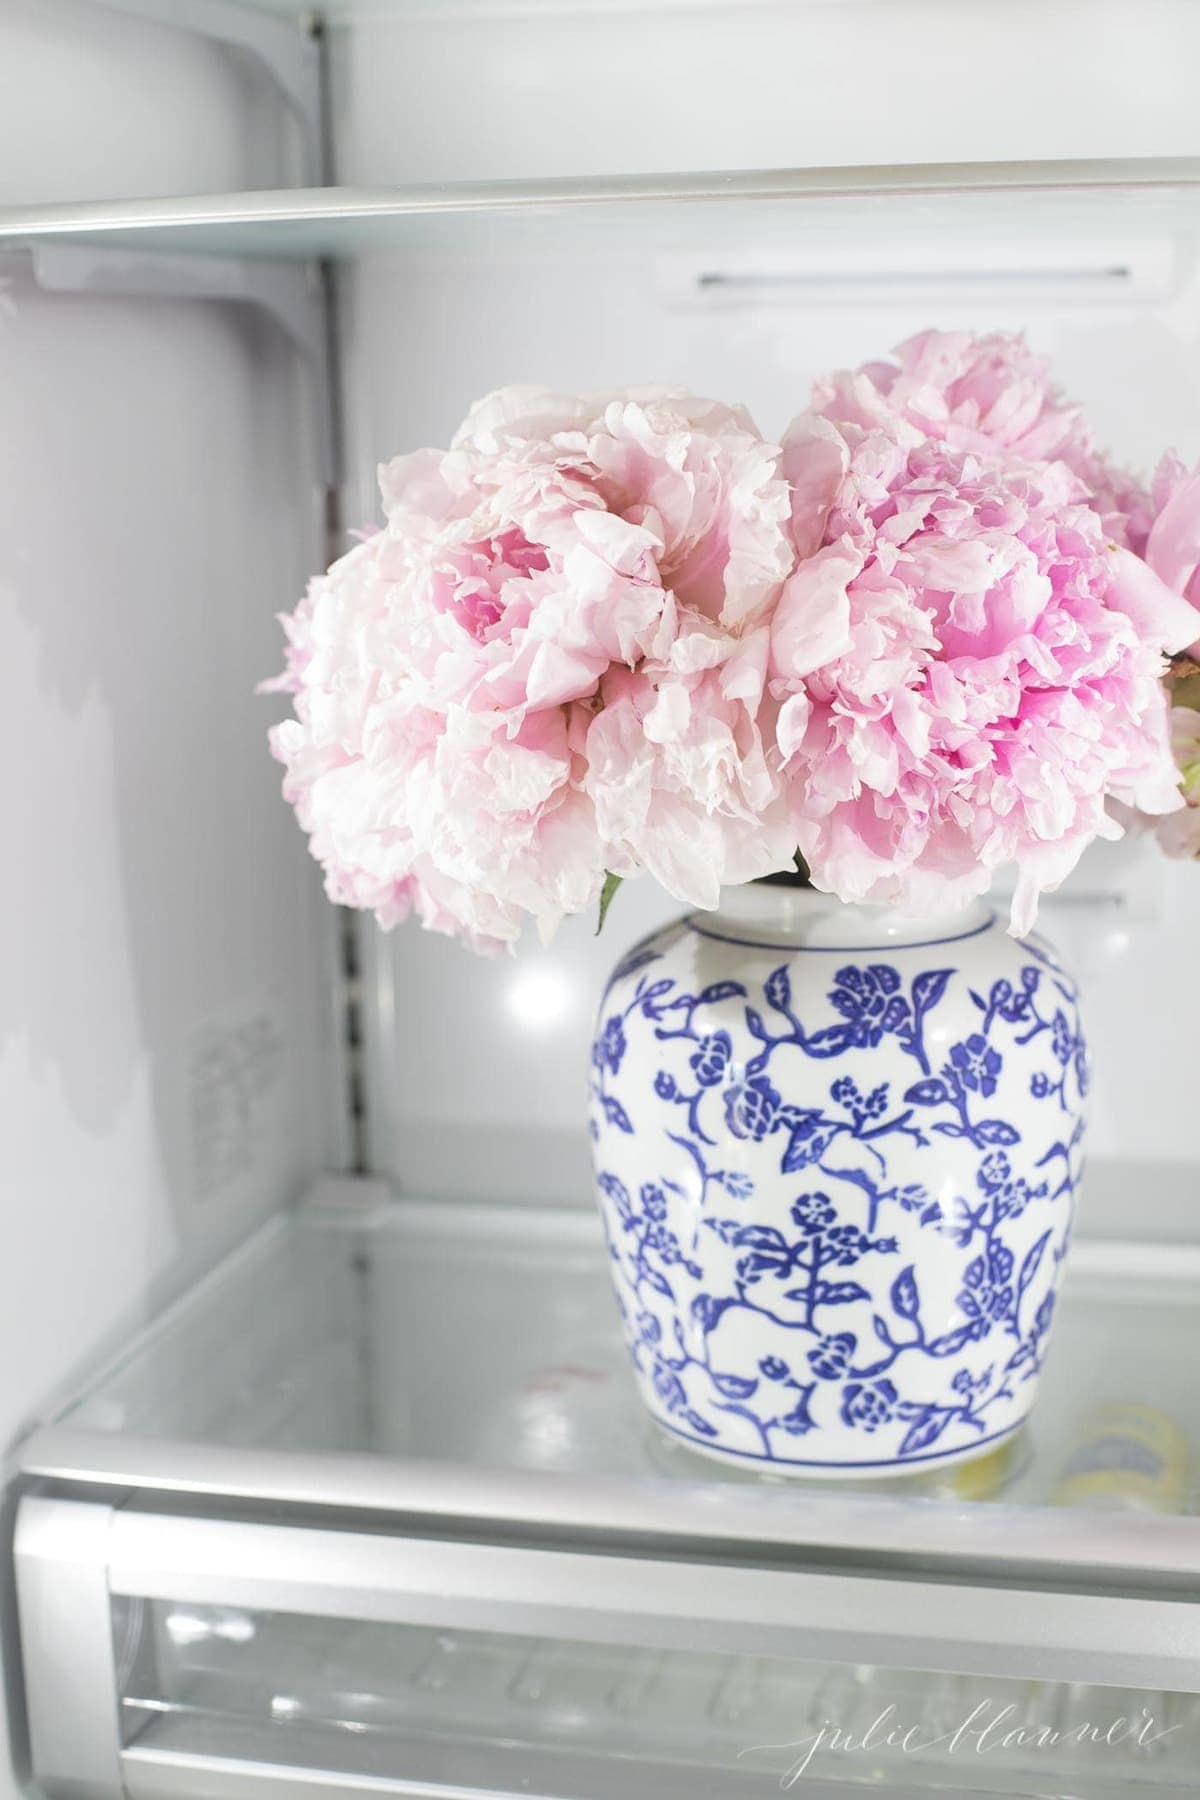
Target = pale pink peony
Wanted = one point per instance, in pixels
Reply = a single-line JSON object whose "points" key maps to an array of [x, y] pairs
{"points": [[966, 667], [1172, 546], [1172, 553], [679, 771], [992, 394], [549, 663]]}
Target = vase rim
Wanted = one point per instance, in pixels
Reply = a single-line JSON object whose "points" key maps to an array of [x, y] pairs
{"points": [[804, 918]]}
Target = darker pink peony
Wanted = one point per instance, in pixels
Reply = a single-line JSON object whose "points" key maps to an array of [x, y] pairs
{"points": [[991, 394], [967, 668]]}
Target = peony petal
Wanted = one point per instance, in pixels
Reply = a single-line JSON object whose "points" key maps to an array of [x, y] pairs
{"points": [[811, 625], [1159, 614], [814, 460], [1173, 546]]}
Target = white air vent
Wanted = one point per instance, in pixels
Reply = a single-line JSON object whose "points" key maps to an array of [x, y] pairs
{"points": [[1072, 273]]}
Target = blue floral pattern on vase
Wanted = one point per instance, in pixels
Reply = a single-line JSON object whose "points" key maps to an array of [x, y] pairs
{"points": [[837, 1185]]}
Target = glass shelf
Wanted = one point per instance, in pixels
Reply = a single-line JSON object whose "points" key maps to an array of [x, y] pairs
{"points": [[466, 1361], [376, 1503], [1109, 203]]}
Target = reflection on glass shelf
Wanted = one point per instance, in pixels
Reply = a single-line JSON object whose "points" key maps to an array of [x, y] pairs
{"points": [[486, 1338], [392, 1700], [1110, 204]]}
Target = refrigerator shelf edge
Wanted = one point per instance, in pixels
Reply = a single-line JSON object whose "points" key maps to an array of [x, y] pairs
{"points": [[1052, 1543], [141, 1428], [336, 221], [598, 1597]]}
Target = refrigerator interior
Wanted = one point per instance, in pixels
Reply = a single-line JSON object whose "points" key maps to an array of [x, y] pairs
{"points": [[164, 1046], [174, 1058], [353, 1364], [749, 301]]}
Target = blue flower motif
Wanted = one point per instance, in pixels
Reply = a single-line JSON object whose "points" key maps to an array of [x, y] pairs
{"points": [[970, 1386], [845, 1093], [830, 1357], [1000, 1262], [848, 1243], [994, 1171], [812, 1213], [869, 1001], [977, 1065], [609, 1048], [654, 1202], [811, 1267], [752, 1108], [987, 1298], [711, 1058], [868, 1404], [1014, 1197], [665, 1242], [1013, 1005]]}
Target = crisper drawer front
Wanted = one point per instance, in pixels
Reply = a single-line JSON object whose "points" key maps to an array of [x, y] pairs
{"points": [[169, 1654]]}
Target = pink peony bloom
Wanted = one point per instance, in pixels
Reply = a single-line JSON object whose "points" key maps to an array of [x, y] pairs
{"points": [[679, 770], [1172, 546], [966, 667], [550, 663], [991, 394]]}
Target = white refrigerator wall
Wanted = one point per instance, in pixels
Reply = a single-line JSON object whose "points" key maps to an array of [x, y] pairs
{"points": [[463, 89], [162, 988], [479, 1069]]}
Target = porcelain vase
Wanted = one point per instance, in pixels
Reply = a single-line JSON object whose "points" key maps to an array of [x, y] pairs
{"points": [[836, 1156]]}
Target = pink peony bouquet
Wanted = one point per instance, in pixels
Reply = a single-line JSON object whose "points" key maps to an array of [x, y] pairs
{"points": [[922, 640]]}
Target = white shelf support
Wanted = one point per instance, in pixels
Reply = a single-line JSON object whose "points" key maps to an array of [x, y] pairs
{"points": [[287, 50], [292, 295]]}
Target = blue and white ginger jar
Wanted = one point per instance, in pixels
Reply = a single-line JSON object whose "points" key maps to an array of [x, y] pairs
{"points": [[836, 1158]]}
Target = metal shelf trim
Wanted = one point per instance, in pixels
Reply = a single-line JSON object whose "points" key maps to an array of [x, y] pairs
{"points": [[148, 1773], [669, 1605], [1041, 1538], [347, 205]]}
